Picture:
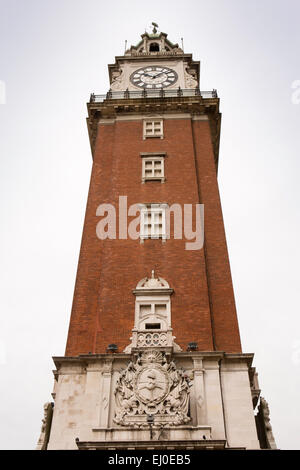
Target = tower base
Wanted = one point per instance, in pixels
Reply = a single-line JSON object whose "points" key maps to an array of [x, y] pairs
{"points": [[155, 399]]}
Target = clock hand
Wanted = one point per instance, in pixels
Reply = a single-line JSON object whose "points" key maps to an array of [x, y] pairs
{"points": [[160, 73], [154, 76]]}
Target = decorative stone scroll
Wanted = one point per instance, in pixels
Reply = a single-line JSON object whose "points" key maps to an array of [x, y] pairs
{"points": [[151, 385], [190, 78], [117, 80]]}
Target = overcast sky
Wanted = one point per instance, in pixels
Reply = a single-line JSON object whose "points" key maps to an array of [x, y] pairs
{"points": [[53, 55]]}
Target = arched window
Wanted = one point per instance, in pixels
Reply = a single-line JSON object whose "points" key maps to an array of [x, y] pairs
{"points": [[153, 304], [152, 323], [154, 47]]}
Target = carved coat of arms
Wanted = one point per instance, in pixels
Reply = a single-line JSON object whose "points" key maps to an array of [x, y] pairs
{"points": [[151, 385]]}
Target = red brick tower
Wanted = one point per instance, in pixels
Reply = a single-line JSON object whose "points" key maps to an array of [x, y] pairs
{"points": [[203, 307], [154, 301]]}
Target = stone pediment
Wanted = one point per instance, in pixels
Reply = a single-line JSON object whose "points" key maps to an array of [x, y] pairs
{"points": [[152, 285]]}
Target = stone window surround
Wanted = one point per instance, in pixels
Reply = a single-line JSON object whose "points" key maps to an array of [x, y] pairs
{"points": [[153, 300], [151, 156], [153, 209], [147, 134]]}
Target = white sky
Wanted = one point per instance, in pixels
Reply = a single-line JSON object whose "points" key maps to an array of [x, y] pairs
{"points": [[53, 54]]}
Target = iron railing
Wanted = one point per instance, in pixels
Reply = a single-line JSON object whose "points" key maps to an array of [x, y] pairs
{"points": [[121, 95]]}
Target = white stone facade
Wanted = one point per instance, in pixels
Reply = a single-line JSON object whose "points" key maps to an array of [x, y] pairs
{"points": [[153, 393], [220, 406], [121, 78]]}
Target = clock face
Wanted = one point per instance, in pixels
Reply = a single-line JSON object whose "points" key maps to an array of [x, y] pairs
{"points": [[153, 77]]}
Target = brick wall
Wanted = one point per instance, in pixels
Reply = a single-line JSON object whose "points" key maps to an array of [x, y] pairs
{"points": [[203, 308]]}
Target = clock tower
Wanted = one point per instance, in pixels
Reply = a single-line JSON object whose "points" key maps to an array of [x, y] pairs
{"points": [[153, 357]]}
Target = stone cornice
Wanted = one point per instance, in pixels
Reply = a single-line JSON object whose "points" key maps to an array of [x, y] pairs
{"points": [[194, 105], [85, 359], [149, 292], [153, 56], [152, 444]]}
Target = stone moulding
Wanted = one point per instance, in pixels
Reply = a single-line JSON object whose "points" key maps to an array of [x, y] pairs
{"points": [[151, 444]]}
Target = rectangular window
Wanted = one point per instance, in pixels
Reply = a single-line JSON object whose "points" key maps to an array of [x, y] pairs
{"points": [[152, 326], [145, 310], [153, 167], [153, 128], [153, 221], [160, 309]]}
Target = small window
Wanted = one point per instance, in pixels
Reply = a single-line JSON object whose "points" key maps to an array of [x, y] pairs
{"points": [[153, 128], [152, 326], [153, 167], [160, 309], [145, 310], [153, 221], [154, 47]]}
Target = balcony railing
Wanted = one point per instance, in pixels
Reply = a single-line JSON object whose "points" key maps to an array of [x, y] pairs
{"points": [[123, 95]]}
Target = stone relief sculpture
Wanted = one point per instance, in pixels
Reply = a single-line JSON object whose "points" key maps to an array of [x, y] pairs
{"points": [[45, 429], [117, 79], [190, 78], [151, 385], [153, 282], [268, 428]]}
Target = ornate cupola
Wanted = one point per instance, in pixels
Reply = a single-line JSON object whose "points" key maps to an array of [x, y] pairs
{"points": [[162, 65], [154, 43]]}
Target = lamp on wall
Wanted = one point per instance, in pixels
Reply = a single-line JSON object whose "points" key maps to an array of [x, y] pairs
{"points": [[112, 348], [193, 346]]}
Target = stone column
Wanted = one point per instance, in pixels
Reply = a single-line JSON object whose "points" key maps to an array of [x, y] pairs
{"points": [[213, 397], [199, 391], [92, 398], [105, 392]]}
